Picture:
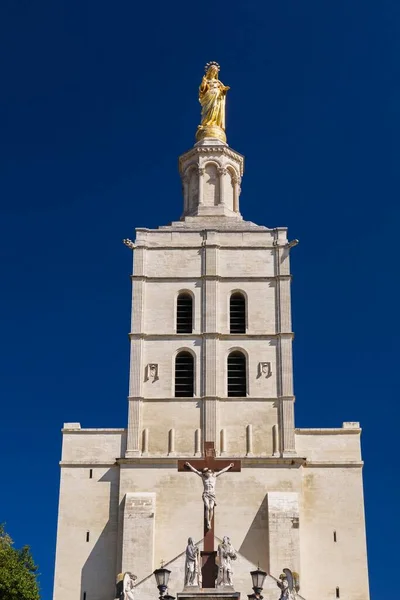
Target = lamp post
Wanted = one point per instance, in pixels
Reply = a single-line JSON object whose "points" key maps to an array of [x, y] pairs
{"points": [[258, 577], [162, 578]]}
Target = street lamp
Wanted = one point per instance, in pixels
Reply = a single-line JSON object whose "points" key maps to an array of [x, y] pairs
{"points": [[162, 578], [258, 577]]}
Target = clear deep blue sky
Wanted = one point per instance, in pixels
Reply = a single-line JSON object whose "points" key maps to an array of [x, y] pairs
{"points": [[97, 101]]}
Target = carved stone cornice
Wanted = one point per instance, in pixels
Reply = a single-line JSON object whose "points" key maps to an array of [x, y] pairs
{"points": [[261, 460], [223, 150], [328, 431], [196, 247], [237, 337], [315, 464], [213, 278]]}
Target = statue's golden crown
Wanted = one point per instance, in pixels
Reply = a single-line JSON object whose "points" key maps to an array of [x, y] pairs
{"points": [[211, 64]]}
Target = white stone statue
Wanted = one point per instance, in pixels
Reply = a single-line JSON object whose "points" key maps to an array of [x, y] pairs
{"points": [[209, 479], [226, 554], [192, 571], [129, 586], [288, 584]]}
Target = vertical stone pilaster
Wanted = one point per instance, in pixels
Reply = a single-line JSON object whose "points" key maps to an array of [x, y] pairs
{"points": [[171, 442], [145, 442], [197, 442], [249, 440], [285, 343], [133, 437], [210, 340], [222, 441], [201, 172], [136, 360], [136, 370], [284, 352], [185, 189], [138, 533], [139, 260], [138, 300], [287, 427], [210, 298], [222, 171], [283, 531], [138, 289], [210, 420], [285, 304], [275, 441], [135, 398], [210, 392], [236, 193]]}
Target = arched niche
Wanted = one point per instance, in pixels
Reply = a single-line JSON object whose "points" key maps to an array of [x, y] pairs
{"points": [[193, 189], [211, 186], [229, 188]]}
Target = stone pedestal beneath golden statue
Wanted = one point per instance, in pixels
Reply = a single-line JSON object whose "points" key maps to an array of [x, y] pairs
{"points": [[211, 174], [210, 131]]}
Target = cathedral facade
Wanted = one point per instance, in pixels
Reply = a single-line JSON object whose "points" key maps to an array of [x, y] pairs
{"points": [[211, 378]]}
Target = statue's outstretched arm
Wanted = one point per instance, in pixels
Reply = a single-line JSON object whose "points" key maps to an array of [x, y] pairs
{"points": [[189, 466], [224, 470]]}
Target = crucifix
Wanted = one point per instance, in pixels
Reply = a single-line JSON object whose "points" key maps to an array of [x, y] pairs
{"points": [[209, 468]]}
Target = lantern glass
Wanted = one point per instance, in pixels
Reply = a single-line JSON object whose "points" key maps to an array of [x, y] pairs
{"points": [[162, 577], [258, 577]]}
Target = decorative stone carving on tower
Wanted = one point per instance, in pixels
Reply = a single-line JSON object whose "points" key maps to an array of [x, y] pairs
{"points": [[212, 95], [211, 172]]}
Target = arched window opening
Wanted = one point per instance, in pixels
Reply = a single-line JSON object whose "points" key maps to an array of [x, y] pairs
{"points": [[237, 313], [184, 375], [237, 384], [184, 314]]}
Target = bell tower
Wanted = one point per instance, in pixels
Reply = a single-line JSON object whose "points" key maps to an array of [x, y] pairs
{"points": [[227, 269], [211, 389]]}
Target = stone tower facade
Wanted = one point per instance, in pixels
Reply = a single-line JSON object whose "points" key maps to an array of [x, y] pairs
{"points": [[211, 362]]}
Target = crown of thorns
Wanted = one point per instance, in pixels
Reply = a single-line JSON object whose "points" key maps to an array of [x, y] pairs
{"points": [[211, 64]]}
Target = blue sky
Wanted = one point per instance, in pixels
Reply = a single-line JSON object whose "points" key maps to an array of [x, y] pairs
{"points": [[97, 101]]}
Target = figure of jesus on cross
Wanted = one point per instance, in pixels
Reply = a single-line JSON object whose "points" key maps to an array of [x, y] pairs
{"points": [[209, 478], [209, 467]]}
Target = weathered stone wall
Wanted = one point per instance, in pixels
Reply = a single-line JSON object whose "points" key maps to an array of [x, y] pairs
{"points": [[298, 500], [276, 513]]}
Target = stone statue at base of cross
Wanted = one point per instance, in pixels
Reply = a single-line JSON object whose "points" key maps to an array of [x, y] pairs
{"points": [[192, 570], [225, 555], [209, 478], [125, 585], [289, 585]]}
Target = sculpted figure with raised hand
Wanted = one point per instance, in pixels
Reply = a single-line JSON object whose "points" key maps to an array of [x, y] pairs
{"points": [[212, 95]]}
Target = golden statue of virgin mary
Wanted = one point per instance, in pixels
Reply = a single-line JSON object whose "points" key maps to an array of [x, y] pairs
{"points": [[212, 95]]}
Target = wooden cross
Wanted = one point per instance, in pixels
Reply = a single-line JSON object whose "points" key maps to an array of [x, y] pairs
{"points": [[209, 461]]}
